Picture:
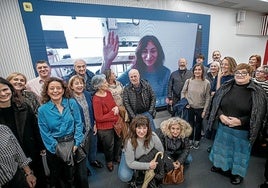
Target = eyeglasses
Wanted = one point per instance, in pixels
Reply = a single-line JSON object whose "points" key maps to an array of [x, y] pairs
{"points": [[237, 73], [260, 71]]}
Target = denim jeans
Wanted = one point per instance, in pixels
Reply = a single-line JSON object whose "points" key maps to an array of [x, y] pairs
{"points": [[124, 172], [147, 114]]}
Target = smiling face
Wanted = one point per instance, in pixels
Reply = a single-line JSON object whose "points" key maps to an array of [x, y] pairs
{"points": [[214, 68], [253, 62], [260, 74], [141, 131], [18, 82], [216, 56], [242, 77], [55, 91], [225, 66], [175, 130], [134, 77], [43, 70], [5, 95], [77, 86], [80, 67], [198, 72], [149, 54]]}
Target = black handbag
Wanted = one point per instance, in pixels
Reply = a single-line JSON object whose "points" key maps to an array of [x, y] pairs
{"points": [[64, 149], [79, 155]]}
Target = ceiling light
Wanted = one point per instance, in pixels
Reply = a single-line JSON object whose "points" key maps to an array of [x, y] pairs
{"points": [[264, 1]]}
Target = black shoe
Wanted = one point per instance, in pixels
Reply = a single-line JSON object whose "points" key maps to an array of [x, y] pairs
{"points": [[236, 179], [215, 169], [220, 171], [264, 185], [96, 164]]}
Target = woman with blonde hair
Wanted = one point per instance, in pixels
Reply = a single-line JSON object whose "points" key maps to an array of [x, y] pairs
{"points": [[228, 65], [19, 80], [174, 134]]}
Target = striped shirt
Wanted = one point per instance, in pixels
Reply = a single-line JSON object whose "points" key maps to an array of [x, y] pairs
{"points": [[11, 155], [263, 84]]}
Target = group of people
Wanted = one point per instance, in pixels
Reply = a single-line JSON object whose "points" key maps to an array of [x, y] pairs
{"points": [[46, 115]]}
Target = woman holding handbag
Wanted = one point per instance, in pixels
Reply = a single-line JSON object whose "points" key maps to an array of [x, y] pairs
{"points": [[174, 134], [76, 85], [61, 129], [197, 91]]}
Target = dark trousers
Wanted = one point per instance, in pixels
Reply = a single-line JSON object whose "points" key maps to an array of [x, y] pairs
{"points": [[80, 175], [18, 180], [266, 170], [61, 174], [195, 119], [110, 143]]}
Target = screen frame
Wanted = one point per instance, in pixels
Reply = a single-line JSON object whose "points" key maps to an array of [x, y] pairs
{"points": [[34, 32]]}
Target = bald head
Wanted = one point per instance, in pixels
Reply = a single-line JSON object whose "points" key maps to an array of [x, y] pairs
{"points": [[134, 77]]}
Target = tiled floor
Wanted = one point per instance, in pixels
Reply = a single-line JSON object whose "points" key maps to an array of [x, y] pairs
{"points": [[197, 175]]}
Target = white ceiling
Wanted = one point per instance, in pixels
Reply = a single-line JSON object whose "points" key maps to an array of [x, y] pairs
{"points": [[251, 5]]}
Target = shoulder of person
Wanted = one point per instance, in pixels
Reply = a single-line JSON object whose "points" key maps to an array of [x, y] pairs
{"points": [[89, 73]]}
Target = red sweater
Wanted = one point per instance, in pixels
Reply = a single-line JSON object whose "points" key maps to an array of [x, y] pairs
{"points": [[104, 116]]}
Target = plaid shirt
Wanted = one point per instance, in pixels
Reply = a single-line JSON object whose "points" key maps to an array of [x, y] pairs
{"points": [[11, 155]]}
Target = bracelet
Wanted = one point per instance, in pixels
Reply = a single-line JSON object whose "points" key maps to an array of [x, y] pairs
{"points": [[30, 173]]}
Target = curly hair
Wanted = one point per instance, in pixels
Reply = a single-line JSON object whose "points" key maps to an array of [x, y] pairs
{"points": [[139, 121], [185, 127], [46, 97]]}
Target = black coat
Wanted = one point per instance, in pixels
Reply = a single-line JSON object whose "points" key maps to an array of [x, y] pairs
{"points": [[258, 117], [27, 129]]}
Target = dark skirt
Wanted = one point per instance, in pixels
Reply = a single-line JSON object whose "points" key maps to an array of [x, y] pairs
{"points": [[231, 150]]}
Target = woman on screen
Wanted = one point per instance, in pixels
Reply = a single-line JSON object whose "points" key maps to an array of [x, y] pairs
{"points": [[149, 61]]}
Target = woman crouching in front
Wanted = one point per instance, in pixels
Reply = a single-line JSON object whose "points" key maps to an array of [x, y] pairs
{"points": [[139, 143]]}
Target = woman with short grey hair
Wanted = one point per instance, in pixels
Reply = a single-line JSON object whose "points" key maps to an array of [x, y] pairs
{"points": [[106, 115]]}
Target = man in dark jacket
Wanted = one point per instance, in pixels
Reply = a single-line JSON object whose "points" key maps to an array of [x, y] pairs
{"points": [[80, 68], [176, 82], [139, 98]]}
